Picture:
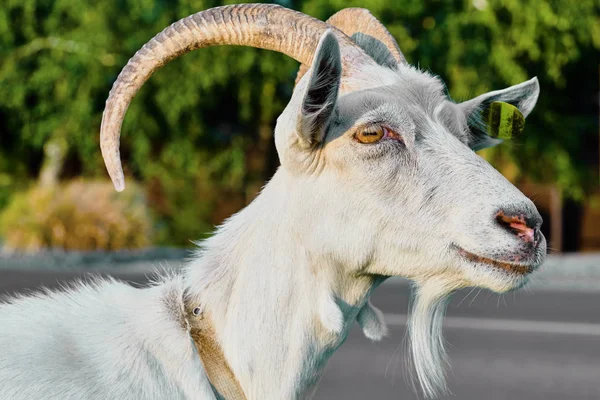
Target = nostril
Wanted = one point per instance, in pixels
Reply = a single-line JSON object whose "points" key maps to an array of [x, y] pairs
{"points": [[518, 224], [523, 231]]}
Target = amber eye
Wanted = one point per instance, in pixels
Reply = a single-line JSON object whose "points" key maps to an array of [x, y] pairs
{"points": [[370, 134]]}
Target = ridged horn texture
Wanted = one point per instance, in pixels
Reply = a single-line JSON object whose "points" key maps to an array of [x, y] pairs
{"points": [[353, 20], [265, 26]]}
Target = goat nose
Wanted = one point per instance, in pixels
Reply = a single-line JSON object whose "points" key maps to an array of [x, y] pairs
{"points": [[524, 225]]}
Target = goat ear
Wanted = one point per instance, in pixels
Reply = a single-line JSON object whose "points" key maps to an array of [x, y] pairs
{"points": [[484, 132], [321, 92]]}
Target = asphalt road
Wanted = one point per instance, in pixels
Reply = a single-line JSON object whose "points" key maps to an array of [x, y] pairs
{"points": [[540, 344]]}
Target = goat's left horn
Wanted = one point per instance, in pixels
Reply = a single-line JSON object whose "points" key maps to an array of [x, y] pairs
{"points": [[360, 20], [266, 26]]}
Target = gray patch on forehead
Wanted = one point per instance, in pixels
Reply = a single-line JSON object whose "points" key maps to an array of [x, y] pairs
{"points": [[378, 105], [416, 99], [421, 89], [411, 87]]}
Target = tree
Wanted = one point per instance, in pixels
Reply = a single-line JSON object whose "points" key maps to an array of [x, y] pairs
{"points": [[198, 135]]}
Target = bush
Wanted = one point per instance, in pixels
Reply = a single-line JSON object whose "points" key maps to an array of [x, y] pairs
{"points": [[77, 215]]}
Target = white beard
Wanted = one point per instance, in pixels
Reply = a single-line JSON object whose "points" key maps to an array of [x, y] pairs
{"points": [[427, 353]]}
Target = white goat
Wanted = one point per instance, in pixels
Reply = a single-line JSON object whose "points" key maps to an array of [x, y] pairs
{"points": [[378, 179]]}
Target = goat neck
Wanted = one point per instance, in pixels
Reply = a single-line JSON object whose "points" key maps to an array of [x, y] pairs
{"points": [[268, 290]]}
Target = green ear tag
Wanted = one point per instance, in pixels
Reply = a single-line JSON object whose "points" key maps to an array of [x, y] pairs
{"points": [[503, 120]]}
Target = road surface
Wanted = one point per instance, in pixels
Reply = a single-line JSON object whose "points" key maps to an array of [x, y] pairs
{"points": [[541, 344]]}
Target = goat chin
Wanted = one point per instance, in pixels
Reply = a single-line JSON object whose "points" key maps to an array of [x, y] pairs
{"points": [[427, 353]]}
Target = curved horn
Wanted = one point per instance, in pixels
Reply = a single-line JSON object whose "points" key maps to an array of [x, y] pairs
{"points": [[360, 20], [264, 26]]}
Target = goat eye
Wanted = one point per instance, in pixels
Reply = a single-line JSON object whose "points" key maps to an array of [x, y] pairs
{"points": [[370, 134]]}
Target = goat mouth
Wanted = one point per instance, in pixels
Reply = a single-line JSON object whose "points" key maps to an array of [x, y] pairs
{"points": [[515, 268]]}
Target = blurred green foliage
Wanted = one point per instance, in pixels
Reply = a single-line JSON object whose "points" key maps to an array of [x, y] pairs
{"points": [[198, 135]]}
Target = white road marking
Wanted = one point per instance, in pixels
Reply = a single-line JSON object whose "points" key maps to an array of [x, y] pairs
{"points": [[509, 325]]}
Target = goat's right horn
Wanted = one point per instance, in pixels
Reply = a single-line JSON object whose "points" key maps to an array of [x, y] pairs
{"points": [[353, 20], [264, 26], [360, 20]]}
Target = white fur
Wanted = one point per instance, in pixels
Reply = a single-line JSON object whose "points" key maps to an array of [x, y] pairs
{"points": [[427, 352], [101, 340]]}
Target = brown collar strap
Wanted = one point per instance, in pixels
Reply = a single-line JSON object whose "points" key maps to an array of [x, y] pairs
{"points": [[219, 373]]}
